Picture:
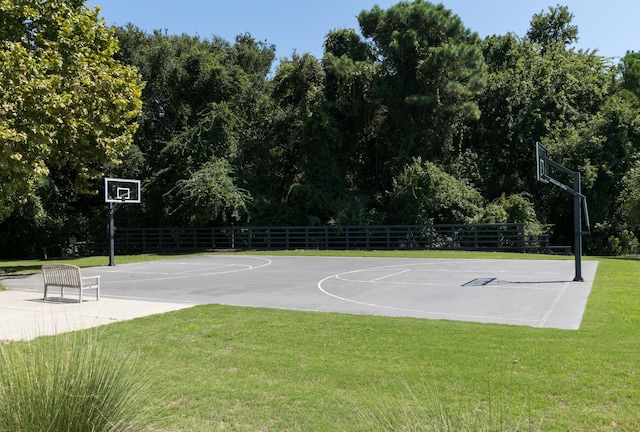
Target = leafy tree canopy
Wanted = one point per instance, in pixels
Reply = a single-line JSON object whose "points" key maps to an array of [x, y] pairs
{"points": [[423, 194], [65, 101], [431, 70], [553, 28], [630, 67]]}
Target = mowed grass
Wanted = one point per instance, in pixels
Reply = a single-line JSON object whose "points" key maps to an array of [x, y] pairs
{"points": [[34, 265], [243, 369]]}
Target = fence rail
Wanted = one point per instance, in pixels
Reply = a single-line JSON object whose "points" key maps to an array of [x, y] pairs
{"points": [[479, 237]]}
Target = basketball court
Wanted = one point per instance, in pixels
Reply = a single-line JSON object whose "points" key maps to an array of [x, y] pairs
{"points": [[535, 293]]}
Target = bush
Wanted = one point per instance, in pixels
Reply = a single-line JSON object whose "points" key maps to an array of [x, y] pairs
{"points": [[610, 240], [71, 383], [424, 193], [515, 208]]}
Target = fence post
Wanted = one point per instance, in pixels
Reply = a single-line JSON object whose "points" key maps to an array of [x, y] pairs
{"points": [[286, 238], [476, 245], [347, 246], [306, 237], [366, 240]]}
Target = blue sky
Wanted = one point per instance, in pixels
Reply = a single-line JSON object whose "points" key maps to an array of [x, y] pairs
{"points": [[301, 25]]}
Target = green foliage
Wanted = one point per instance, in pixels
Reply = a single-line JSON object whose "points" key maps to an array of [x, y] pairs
{"points": [[515, 208], [72, 383], [425, 194], [630, 197], [539, 90], [553, 28], [66, 101], [532, 97], [209, 195], [631, 73], [30, 224], [346, 42], [315, 140], [203, 104], [520, 209], [354, 210], [430, 70], [610, 240]]}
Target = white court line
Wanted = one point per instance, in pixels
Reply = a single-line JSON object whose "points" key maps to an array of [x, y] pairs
{"points": [[553, 305], [459, 316], [116, 271], [378, 282], [389, 275], [533, 285], [245, 267]]}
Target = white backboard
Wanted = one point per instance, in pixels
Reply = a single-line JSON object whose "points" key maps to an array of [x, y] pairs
{"points": [[117, 190]]}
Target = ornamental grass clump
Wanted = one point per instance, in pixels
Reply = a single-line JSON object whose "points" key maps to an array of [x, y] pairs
{"points": [[70, 383], [424, 408]]}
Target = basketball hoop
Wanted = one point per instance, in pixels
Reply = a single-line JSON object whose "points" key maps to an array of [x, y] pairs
{"points": [[123, 191], [118, 191], [544, 175]]}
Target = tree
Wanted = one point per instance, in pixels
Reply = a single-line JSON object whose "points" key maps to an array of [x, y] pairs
{"points": [[308, 142], [431, 70], [553, 28], [204, 103], [208, 196], [424, 194], [531, 96], [630, 67], [66, 102]]}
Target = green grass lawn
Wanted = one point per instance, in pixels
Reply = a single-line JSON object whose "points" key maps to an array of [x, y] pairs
{"points": [[242, 369]]}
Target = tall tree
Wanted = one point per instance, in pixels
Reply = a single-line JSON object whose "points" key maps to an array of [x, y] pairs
{"points": [[431, 70], [203, 108], [553, 28], [66, 102], [567, 100], [630, 67], [531, 96]]}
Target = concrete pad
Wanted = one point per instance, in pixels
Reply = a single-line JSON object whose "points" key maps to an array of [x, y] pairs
{"points": [[24, 315]]}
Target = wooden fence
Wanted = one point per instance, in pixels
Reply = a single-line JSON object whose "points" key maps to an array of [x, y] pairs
{"points": [[477, 237]]}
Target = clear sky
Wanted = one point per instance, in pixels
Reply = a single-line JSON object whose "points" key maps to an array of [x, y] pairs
{"points": [[301, 25]]}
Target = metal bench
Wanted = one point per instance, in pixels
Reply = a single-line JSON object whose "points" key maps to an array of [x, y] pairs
{"points": [[68, 276]]}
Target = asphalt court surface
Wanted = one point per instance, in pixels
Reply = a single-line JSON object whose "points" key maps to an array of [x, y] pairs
{"points": [[536, 293]]}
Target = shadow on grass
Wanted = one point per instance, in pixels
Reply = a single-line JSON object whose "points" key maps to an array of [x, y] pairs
{"points": [[625, 258], [19, 270]]}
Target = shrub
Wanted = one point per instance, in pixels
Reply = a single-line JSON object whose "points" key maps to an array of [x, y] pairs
{"points": [[71, 383], [611, 240], [424, 193]]}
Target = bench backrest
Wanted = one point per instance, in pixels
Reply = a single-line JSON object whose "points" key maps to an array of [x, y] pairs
{"points": [[62, 275]]}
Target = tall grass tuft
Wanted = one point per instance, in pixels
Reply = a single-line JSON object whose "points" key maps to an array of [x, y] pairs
{"points": [[424, 408], [71, 382]]}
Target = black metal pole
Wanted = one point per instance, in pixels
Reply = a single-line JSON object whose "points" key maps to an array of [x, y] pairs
{"points": [[577, 225], [112, 243]]}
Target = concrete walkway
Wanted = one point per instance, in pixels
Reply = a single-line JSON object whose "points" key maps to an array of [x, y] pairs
{"points": [[24, 315]]}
